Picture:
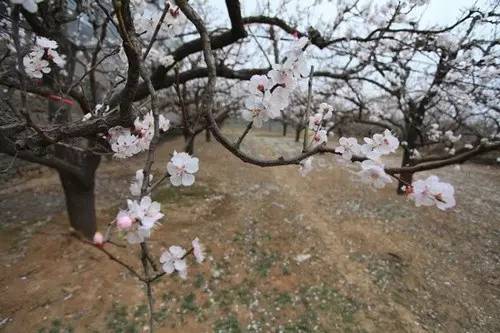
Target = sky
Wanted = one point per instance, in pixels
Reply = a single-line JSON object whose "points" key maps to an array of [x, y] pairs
{"points": [[437, 12]]}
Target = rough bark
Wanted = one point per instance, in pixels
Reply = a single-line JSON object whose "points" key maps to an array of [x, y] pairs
{"points": [[405, 177], [298, 130], [79, 190], [190, 144]]}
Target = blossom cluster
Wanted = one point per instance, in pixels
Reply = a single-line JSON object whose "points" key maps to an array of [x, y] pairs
{"points": [[139, 219], [174, 259], [269, 94], [36, 62], [424, 192], [372, 148], [143, 214], [146, 19], [319, 132], [431, 192], [126, 142], [99, 110], [435, 134]]}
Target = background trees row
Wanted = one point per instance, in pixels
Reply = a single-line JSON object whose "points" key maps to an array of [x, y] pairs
{"points": [[435, 87]]}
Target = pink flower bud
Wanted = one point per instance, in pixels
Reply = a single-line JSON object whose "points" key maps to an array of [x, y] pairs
{"points": [[98, 239], [123, 221]]}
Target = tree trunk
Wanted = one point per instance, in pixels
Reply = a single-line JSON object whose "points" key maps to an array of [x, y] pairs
{"points": [[406, 177], [208, 136], [80, 203], [190, 144], [285, 127], [298, 130], [79, 189]]}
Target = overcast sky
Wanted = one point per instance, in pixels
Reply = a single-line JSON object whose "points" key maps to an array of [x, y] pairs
{"points": [[437, 12]]}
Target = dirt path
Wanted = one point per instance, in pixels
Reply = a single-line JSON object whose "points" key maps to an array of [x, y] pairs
{"points": [[377, 263]]}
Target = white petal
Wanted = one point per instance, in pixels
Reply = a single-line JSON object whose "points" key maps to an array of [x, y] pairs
{"points": [[168, 267], [187, 179], [192, 165], [177, 251], [171, 169], [176, 180], [180, 265]]}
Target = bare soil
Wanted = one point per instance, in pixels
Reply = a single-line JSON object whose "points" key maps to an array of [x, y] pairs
{"points": [[377, 263]]}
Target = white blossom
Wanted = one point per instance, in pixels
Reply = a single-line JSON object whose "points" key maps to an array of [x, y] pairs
{"points": [[181, 169], [125, 143], [319, 137], [380, 144], [136, 185], [46, 43], [146, 211], [48, 47], [35, 66], [415, 154], [305, 166], [315, 121], [87, 116], [255, 111], [451, 137], [373, 173], [282, 77], [431, 192], [326, 110], [348, 147], [258, 84], [270, 94], [173, 260]]}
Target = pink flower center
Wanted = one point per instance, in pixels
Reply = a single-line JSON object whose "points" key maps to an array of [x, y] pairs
{"points": [[174, 12]]}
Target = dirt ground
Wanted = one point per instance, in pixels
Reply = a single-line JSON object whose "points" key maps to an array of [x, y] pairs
{"points": [[372, 262]]}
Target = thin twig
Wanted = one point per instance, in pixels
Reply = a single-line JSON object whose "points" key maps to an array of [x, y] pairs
{"points": [[111, 256], [20, 66], [260, 47], [146, 258], [240, 140], [159, 275], [157, 30], [149, 293], [185, 115], [308, 107]]}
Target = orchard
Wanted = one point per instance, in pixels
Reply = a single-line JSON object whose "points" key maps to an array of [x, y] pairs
{"points": [[372, 91]]}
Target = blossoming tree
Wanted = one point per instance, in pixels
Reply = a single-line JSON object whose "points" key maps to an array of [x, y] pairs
{"points": [[114, 69]]}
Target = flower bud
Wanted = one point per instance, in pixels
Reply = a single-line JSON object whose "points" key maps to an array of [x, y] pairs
{"points": [[123, 221], [98, 239]]}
